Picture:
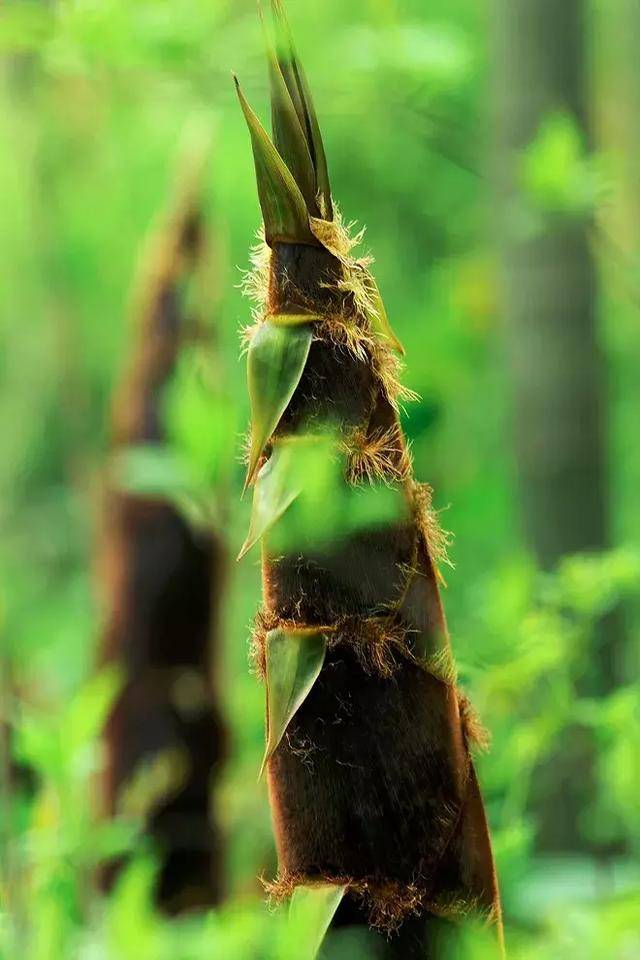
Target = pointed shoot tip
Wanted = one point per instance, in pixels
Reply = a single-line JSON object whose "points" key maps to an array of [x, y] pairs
{"points": [[284, 209]]}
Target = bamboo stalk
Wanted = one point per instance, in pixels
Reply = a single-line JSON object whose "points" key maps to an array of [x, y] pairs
{"points": [[370, 775], [164, 583]]}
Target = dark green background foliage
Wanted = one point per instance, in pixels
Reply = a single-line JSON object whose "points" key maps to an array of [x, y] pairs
{"points": [[94, 97]]}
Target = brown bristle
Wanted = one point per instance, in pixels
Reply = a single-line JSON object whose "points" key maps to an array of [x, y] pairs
{"points": [[475, 733]]}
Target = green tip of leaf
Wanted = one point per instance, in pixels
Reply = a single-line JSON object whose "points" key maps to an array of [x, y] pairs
{"points": [[294, 660], [276, 360], [246, 546], [283, 206]]}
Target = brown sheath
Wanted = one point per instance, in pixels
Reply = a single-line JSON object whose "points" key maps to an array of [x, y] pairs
{"points": [[373, 783]]}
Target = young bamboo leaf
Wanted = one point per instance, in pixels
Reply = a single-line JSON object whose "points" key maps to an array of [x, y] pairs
{"points": [[294, 661], [300, 93], [275, 363], [288, 134], [277, 486], [311, 911], [283, 207]]}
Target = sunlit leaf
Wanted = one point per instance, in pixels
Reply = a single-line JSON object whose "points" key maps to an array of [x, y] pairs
{"points": [[294, 661], [275, 363], [311, 911], [557, 172], [87, 712], [133, 929], [283, 207]]}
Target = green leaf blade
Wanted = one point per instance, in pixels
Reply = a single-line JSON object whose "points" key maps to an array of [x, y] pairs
{"points": [[283, 207], [277, 486], [294, 660], [275, 363], [311, 911]]}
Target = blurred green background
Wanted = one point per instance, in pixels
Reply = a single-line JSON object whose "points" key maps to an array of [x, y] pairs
{"points": [[94, 96]]}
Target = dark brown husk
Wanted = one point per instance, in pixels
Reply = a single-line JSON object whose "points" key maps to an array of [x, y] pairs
{"points": [[373, 783]]}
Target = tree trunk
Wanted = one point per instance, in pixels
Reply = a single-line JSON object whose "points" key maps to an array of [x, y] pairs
{"points": [[550, 293], [555, 360]]}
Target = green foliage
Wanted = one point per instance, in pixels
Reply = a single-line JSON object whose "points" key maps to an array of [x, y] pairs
{"points": [[557, 173], [537, 632]]}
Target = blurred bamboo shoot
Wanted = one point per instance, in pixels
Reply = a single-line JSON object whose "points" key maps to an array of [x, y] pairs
{"points": [[164, 583]]}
